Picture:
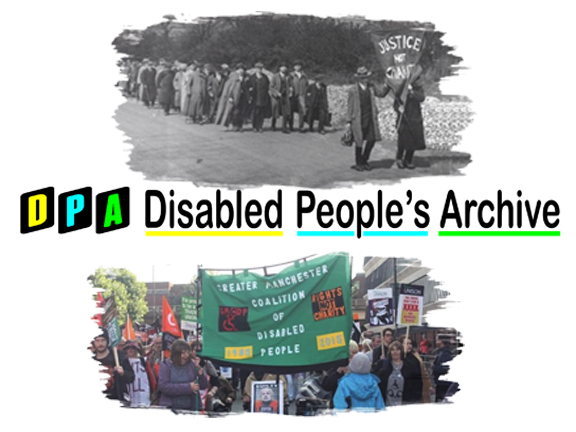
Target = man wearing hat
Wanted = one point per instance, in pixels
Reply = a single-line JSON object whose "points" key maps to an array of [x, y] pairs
{"points": [[216, 82], [185, 88], [177, 85], [198, 94], [148, 81], [238, 97], [166, 88], [316, 104], [280, 92], [362, 117], [300, 85], [259, 86]]}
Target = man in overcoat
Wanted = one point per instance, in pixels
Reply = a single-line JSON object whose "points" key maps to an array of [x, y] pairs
{"points": [[185, 88], [280, 92], [316, 104], [238, 96], [259, 86], [166, 88], [411, 126], [148, 81], [198, 94], [362, 117], [300, 85]]}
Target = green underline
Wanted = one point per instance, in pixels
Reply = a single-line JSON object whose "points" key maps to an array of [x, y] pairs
{"points": [[499, 233]]}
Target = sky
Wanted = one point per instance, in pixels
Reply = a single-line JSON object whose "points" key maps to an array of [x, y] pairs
{"points": [[182, 272]]}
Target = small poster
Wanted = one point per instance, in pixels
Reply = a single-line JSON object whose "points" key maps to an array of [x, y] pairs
{"points": [[410, 304], [267, 397], [189, 313], [380, 307]]}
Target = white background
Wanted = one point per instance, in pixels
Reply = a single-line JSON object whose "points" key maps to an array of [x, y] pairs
{"points": [[513, 296]]}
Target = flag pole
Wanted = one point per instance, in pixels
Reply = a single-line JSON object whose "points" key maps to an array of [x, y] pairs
{"points": [[115, 352], [406, 340], [198, 287]]}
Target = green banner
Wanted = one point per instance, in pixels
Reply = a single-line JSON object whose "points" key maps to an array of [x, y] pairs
{"points": [[114, 333], [189, 313], [299, 317]]}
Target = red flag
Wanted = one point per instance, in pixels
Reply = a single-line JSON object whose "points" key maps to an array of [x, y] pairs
{"points": [[170, 328], [129, 333], [99, 303]]}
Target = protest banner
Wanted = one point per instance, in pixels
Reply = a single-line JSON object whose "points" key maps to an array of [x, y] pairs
{"points": [[110, 323], [170, 329], [295, 320], [380, 309], [267, 397], [410, 305], [399, 53], [189, 313]]}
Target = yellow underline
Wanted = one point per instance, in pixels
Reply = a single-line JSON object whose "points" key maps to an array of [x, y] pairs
{"points": [[214, 233]]}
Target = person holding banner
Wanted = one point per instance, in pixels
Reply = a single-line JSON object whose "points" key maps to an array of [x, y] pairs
{"points": [[381, 350], [119, 376], [181, 380], [362, 117], [410, 125]]}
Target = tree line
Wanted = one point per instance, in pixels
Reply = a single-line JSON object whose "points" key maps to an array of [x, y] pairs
{"points": [[330, 47]]}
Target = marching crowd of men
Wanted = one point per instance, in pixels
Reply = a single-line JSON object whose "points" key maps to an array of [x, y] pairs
{"points": [[204, 93], [381, 372]]}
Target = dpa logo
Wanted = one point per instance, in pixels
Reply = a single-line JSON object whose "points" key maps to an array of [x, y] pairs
{"points": [[74, 210]]}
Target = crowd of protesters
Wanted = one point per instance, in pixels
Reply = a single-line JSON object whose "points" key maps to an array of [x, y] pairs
{"points": [[382, 372], [203, 94]]}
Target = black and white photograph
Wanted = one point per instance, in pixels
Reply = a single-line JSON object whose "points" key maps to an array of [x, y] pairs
{"points": [[289, 100]]}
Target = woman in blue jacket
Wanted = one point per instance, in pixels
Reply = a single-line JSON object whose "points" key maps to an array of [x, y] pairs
{"points": [[358, 390]]}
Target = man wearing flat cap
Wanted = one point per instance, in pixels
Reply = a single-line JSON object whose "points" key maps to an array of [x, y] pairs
{"points": [[259, 86], [300, 85], [362, 117], [316, 104]]}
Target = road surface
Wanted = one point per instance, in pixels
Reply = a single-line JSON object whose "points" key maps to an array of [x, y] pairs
{"points": [[166, 148]]}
